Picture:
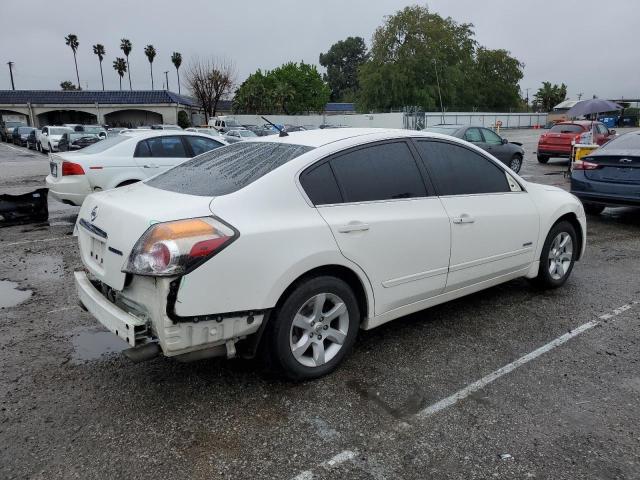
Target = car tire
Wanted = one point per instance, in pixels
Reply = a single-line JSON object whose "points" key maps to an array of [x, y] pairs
{"points": [[558, 256], [515, 163], [302, 342], [593, 209], [543, 158]]}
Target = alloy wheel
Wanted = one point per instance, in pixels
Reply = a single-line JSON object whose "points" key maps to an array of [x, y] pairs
{"points": [[560, 255], [319, 329]]}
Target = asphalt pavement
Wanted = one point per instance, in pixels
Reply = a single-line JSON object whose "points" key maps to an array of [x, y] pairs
{"points": [[511, 382]]}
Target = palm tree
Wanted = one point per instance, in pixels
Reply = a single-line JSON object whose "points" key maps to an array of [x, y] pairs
{"points": [[176, 58], [72, 41], [120, 66], [99, 50], [125, 46], [150, 52]]}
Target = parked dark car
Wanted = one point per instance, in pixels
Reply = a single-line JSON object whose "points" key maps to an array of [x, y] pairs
{"points": [[20, 134], [32, 140], [77, 140], [609, 175], [509, 153], [6, 130]]}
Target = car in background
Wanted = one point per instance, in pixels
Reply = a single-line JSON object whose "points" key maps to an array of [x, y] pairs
{"points": [[262, 131], [49, 136], [293, 128], [114, 131], [32, 139], [223, 123], [122, 160], [166, 127], [238, 134], [509, 153], [93, 129], [21, 134], [205, 131], [6, 130], [309, 238], [72, 141], [610, 175], [558, 141]]}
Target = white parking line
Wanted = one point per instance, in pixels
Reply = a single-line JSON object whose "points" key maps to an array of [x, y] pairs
{"points": [[483, 382], [12, 147], [62, 309], [35, 241]]}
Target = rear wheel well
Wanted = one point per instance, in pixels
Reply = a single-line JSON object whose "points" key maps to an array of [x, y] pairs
{"points": [[343, 273], [573, 220]]}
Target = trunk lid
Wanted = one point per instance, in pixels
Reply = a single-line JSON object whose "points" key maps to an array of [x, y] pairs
{"points": [[111, 222], [615, 167]]}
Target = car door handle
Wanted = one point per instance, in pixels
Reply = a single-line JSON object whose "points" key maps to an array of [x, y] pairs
{"points": [[353, 227], [464, 218]]}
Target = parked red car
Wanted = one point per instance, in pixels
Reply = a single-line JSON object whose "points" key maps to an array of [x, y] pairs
{"points": [[557, 141]]}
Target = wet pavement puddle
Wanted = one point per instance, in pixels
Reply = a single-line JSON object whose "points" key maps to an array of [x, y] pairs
{"points": [[93, 343], [10, 295]]}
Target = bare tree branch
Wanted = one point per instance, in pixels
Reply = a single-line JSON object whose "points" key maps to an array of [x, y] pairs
{"points": [[211, 80]]}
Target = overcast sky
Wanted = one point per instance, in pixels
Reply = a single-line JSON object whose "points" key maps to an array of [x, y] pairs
{"points": [[590, 45]]}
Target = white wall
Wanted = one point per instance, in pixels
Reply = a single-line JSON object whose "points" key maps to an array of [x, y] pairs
{"points": [[396, 120]]}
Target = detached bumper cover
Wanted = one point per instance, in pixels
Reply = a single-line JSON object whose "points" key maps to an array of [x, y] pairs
{"points": [[116, 320]]}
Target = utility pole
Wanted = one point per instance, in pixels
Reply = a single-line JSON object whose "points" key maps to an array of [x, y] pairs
{"points": [[527, 89], [166, 76], [435, 64], [13, 87]]}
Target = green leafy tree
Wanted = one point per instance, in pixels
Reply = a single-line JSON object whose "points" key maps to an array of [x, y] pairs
{"points": [[68, 85], [342, 62], [99, 50], [72, 41], [120, 66], [291, 89], [415, 48], [150, 52], [549, 95], [176, 59], [126, 46], [497, 75]]}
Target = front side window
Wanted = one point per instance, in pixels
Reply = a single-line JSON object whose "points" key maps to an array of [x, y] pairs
{"points": [[491, 137], [200, 145], [473, 135], [457, 170], [379, 172], [227, 169], [602, 129]]}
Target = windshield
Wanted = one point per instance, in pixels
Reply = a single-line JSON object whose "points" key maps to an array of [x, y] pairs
{"points": [[58, 131], [247, 133], [76, 136], [566, 128], [13, 124], [227, 169], [93, 129], [443, 130], [25, 129], [109, 142]]}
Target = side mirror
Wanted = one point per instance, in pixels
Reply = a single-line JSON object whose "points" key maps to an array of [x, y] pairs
{"points": [[505, 141], [612, 132]]}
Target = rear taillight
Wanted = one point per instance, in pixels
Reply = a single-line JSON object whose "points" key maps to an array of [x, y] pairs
{"points": [[175, 248], [583, 165], [70, 168]]}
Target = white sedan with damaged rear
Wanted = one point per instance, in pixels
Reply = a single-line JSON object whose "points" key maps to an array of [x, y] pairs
{"points": [[289, 245]]}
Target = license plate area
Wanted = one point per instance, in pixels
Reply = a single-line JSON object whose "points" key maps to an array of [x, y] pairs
{"points": [[97, 250], [54, 168]]}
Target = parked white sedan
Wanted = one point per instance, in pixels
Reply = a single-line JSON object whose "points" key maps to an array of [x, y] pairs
{"points": [[122, 160], [294, 243]]}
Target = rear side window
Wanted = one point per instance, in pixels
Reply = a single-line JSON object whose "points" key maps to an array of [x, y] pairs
{"points": [[227, 169], [200, 145], [379, 172], [473, 135], [321, 186], [569, 128], [458, 170]]}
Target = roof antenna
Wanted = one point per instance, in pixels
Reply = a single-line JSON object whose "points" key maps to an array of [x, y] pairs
{"points": [[282, 132]]}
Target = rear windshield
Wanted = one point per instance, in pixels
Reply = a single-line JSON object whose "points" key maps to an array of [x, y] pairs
{"points": [[93, 129], [568, 128], [25, 129], [630, 141], [227, 169], [443, 130], [59, 131], [105, 144]]}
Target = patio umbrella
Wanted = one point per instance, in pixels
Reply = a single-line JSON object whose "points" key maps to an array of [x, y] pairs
{"points": [[595, 105]]}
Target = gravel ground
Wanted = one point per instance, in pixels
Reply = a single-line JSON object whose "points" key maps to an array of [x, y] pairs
{"points": [[71, 406]]}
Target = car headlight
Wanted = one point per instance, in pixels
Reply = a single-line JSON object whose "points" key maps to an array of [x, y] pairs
{"points": [[176, 248]]}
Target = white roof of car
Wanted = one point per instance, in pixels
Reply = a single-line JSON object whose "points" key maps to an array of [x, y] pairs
{"points": [[318, 138], [159, 133]]}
